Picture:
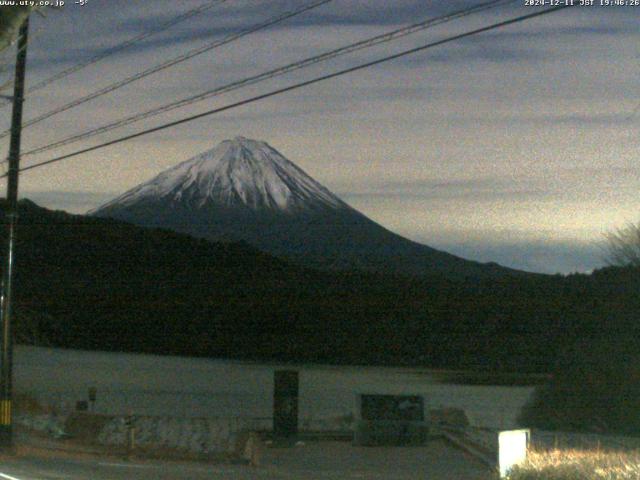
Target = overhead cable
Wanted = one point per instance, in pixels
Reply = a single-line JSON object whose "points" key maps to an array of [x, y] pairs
{"points": [[367, 43], [170, 63], [297, 86], [121, 46]]}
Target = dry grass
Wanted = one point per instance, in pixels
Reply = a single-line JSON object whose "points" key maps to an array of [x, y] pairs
{"points": [[579, 465]]}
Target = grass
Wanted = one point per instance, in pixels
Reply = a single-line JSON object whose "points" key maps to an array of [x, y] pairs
{"points": [[579, 465]]}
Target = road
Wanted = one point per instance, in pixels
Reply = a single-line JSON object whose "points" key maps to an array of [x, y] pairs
{"points": [[313, 461]]}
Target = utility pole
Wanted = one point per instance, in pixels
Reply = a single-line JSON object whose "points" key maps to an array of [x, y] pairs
{"points": [[11, 215]]}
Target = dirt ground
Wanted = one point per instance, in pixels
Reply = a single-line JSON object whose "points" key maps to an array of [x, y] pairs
{"points": [[313, 460], [340, 460]]}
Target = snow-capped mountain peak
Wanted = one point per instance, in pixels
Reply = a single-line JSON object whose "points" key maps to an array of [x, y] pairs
{"points": [[236, 173], [245, 190]]}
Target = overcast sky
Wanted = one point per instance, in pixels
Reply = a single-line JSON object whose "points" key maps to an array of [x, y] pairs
{"points": [[518, 146]]}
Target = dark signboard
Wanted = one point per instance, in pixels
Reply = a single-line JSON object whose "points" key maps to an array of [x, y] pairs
{"points": [[285, 403], [409, 408], [391, 420]]}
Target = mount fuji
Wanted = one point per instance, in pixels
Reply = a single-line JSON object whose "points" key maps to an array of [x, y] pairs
{"points": [[245, 190]]}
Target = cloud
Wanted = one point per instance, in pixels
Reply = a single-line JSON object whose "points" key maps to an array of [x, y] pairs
{"points": [[481, 189], [511, 249], [562, 185], [595, 119], [523, 127], [533, 256]]}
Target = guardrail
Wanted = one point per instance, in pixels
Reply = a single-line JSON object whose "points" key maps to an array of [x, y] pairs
{"points": [[479, 450]]}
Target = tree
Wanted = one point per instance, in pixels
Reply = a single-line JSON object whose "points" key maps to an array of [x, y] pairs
{"points": [[11, 18], [595, 388], [623, 246]]}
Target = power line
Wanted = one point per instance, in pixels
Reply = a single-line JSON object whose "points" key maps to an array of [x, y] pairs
{"points": [[172, 62], [299, 85], [6, 67], [7, 57], [9, 67], [370, 42], [6, 85], [4, 54], [10, 43], [121, 46]]}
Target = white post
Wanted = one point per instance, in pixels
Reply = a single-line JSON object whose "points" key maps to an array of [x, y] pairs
{"points": [[512, 449]]}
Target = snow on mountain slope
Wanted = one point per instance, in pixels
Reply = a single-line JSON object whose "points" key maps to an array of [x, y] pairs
{"points": [[238, 172], [245, 190]]}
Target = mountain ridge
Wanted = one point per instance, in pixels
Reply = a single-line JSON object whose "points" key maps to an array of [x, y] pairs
{"points": [[246, 190], [238, 172], [94, 283]]}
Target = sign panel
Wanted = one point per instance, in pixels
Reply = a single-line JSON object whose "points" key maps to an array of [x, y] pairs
{"points": [[285, 403], [408, 408], [512, 449]]}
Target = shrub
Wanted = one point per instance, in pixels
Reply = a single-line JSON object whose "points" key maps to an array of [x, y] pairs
{"points": [[578, 465], [595, 388]]}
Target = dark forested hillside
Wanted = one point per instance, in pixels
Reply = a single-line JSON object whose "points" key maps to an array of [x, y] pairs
{"points": [[94, 283]]}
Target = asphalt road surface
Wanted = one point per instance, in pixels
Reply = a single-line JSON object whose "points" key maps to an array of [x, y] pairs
{"points": [[322, 460]]}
